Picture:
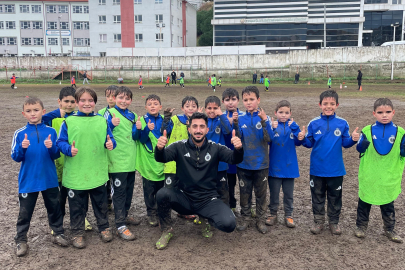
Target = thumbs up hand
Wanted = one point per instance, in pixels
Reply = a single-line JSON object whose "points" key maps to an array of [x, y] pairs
{"points": [[274, 124], [48, 142], [74, 150], [301, 135], [151, 125], [139, 123], [237, 143], [162, 141], [355, 135], [109, 144], [115, 120], [25, 142], [291, 121]]}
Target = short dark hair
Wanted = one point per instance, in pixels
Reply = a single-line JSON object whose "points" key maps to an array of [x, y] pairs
{"points": [[112, 88], [212, 99], [250, 89], [383, 102], [85, 89], [33, 101], [229, 93], [329, 94], [189, 98], [67, 92], [283, 103], [198, 115], [153, 96], [123, 90]]}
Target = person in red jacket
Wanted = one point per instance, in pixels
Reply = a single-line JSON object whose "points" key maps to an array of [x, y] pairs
{"points": [[140, 82], [73, 81], [167, 80], [13, 81]]}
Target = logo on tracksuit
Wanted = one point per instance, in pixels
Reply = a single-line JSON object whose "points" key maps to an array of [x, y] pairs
{"points": [[168, 180], [71, 194], [207, 157], [241, 183], [117, 182], [24, 195], [311, 183], [291, 136], [392, 139], [259, 125], [337, 132], [217, 130]]}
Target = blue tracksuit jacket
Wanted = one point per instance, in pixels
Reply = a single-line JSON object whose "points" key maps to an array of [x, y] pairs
{"points": [[218, 128]]}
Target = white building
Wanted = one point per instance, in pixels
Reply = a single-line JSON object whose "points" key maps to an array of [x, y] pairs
{"points": [[41, 28], [141, 24]]}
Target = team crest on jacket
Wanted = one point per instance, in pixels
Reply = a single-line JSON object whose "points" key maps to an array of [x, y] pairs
{"points": [[117, 182], [217, 130], [392, 139], [337, 132], [291, 136], [207, 157], [71, 194], [259, 125]]}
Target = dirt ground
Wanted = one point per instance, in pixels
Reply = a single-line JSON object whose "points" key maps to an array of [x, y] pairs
{"points": [[281, 248]]}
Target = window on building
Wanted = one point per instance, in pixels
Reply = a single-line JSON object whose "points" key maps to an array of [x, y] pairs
{"points": [[52, 25], [65, 41], [36, 25], [117, 37], [25, 25], [117, 18], [116, 2], [172, 38], [25, 41], [138, 18], [1, 25], [38, 41], [159, 37], [9, 9], [36, 8], [159, 18], [77, 9], [64, 25], [11, 41], [52, 41], [102, 38], [79, 42], [81, 25], [2, 41], [138, 37], [50, 9], [158, 1], [171, 19], [137, 2], [102, 19], [103, 54], [101, 2], [63, 9], [87, 42], [10, 24], [178, 22], [24, 8]]}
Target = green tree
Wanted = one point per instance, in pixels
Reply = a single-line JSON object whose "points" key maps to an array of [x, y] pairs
{"points": [[204, 26]]}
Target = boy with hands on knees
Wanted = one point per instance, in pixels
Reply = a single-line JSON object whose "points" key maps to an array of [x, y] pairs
{"points": [[326, 135], [382, 151], [35, 147], [83, 139]]}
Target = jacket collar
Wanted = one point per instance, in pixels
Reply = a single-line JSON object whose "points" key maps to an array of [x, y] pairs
{"points": [[381, 124], [32, 126], [325, 117], [79, 113], [193, 146]]}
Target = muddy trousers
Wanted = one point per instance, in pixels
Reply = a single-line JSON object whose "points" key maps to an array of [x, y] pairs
{"points": [[222, 187], [63, 198], [387, 213], [27, 203], [288, 190], [216, 211], [150, 188], [122, 189], [322, 188], [78, 203], [231, 189], [250, 180]]}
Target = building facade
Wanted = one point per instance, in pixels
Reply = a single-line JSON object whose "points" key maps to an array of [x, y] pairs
{"points": [[297, 24], [41, 28], [141, 24]]}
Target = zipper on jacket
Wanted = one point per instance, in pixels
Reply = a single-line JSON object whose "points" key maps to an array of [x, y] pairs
{"points": [[284, 128], [384, 131], [198, 157], [327, 117], [251, 119], [37, 132]]}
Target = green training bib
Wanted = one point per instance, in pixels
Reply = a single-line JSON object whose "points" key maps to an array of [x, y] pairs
{"points": [[56, 124]]}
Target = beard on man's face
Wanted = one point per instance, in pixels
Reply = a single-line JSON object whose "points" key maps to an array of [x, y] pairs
{"points": [[197, 140]]}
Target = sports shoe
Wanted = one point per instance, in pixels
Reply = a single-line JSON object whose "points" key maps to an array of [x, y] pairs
{"points": [[242, 224], [261, 226], [189, 217], [206, 230], [125, 233], [87, 225], [78, 242], [359, 232], [21, 249], [106, 235], [335, 229], [164, 239], [393, 236], [133, 221], [317, 228], [289, 222], [153, 221], [197, 220], [271, 220], [60, 240]]}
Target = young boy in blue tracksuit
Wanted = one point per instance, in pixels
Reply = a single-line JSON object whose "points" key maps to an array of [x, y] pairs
{"points": [[35, 147], [219, 126], [283, 167], [326, 135], [254, 129]]}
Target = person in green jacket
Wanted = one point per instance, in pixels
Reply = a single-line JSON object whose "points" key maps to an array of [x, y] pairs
{"points": [[267, 83], [330, 81], [382, 152], [213, 81], [148, 127]]}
